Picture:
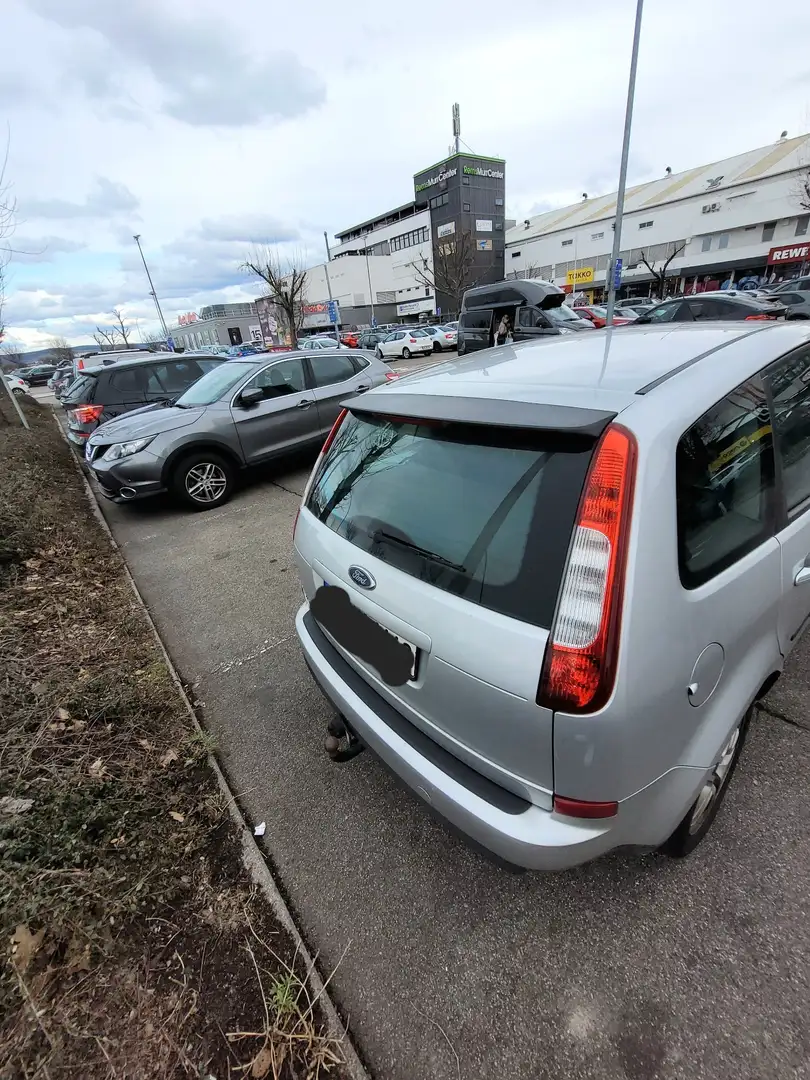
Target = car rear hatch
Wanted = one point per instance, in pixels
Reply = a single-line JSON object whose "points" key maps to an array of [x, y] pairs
{"points": [[83, 416], [448, 525]]}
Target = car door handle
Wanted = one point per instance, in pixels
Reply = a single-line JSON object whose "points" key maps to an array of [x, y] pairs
{"points": [[304, 404], [362, 389], [803, 576]]}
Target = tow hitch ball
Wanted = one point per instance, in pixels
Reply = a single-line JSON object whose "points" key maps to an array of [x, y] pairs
{"points": [[341, 743]]}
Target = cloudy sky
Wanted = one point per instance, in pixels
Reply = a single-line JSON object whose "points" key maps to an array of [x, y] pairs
{"points": [[208, 125]]}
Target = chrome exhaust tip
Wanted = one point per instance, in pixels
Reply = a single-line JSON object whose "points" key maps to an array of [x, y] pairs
{"points": [[127, 493]]}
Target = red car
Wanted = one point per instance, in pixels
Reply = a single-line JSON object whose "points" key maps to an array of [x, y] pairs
{"points": [[349, 337], [598, 316]]}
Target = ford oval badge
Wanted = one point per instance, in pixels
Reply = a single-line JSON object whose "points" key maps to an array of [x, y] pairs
{"points": [[362, 577]]}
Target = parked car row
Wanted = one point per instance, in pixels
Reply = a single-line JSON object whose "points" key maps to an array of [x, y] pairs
{"points": [[188, 424]]}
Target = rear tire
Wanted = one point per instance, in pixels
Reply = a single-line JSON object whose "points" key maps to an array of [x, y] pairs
{"points": [[704, 809], [203, 481], [17, 392], [406, 353], [437, 347]]}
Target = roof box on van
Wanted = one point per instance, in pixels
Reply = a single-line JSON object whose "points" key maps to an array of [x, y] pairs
{"points": [[536, 292]]}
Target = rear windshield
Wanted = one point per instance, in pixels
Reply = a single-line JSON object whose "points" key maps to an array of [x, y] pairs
{"points": [[482, 512], [81, 389]]}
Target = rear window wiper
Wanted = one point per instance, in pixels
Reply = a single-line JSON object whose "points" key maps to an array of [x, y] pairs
{"points": [[381, 534]]}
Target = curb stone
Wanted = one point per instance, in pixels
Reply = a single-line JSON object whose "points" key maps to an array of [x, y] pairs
{"points": [[252, 857]]}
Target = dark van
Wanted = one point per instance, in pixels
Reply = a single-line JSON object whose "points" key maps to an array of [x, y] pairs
{"points": [[535, 309]]}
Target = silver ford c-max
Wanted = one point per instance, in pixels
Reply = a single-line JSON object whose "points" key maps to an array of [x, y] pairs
{"points": [[547, 584]]}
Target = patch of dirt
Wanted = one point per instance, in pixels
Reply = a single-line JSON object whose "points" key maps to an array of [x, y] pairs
{"points": [[133, 944]]}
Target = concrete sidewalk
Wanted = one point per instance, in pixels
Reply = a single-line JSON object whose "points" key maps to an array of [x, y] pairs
{"points": [[626, 969]]}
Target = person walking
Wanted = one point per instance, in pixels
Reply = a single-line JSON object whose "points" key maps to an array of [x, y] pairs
{"points": [[503, 331]]}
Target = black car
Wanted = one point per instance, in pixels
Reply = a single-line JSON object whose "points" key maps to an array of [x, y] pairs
{"points": [[702, 308], [37, 376], [103, 393]]}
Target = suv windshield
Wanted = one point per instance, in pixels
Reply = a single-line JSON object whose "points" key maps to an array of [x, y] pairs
{"points": [[482, 512], [211, 387]]}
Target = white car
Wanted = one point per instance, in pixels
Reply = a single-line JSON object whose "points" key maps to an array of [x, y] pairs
{"points": [[306, 344], [443, 337], [18, 385], [404, 343]]}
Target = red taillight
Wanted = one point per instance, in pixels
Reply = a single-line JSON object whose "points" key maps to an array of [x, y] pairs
{"points": [[391, 375], [582, 650], [759, 318], [581, 808], [88, 414], [80, 364], [330, 438]]}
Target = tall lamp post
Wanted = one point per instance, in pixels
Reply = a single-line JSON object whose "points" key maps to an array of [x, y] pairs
{"points": [[137, 238], [628, 120]]}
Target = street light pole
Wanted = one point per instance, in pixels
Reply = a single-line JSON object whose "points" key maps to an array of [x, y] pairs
{"points": [[370, 293], [137, 238], [328, 282], [628, 120]]}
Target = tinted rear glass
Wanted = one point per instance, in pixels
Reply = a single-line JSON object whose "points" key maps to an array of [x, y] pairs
{"points": [[490, 509], [80, 390]]}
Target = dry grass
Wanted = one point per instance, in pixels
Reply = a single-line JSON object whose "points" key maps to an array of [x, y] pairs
{"points": [[132, 942]]}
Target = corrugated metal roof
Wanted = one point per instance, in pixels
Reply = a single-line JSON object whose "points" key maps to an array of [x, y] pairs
{"points": [[782, 156]]}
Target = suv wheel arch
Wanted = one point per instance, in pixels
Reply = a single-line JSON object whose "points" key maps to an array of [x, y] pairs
{"points": [[196, 447]]}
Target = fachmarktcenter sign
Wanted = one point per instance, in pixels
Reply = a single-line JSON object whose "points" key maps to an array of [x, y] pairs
{"points": [[477, 170], [445, 174]]}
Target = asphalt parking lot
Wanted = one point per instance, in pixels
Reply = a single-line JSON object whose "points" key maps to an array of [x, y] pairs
{"points": [[629, 968]]}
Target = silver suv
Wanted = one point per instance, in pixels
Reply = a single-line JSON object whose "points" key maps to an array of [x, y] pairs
{"points": [[546, 585]]}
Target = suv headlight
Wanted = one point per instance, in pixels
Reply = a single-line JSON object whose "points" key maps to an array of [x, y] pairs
{"points": [[125, 449]]}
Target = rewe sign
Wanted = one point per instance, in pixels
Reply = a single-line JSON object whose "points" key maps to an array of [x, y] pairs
{"points": [[789, 253]]}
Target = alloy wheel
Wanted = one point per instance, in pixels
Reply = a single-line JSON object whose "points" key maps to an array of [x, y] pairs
{"points": [[206, 482], [715, 784]]}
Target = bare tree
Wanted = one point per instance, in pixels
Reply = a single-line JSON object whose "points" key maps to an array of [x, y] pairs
{"points": [[286, 281], [154, 339], [11, 358], [107, 340], [453, 270], [121, 328], [659, 276], [60, 351]]}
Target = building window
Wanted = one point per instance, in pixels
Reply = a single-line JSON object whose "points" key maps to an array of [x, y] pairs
{"points": [[768, 231], [498, 224], [645, 224], [801, 225], [706, 244], [465, 180], [499, 202], [597, 235], [567, 243], [439, 200], [723, 241], [466, 206], [515, 254]]}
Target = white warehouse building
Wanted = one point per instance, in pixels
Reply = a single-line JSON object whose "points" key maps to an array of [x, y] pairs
{"points": [[736, 222]]}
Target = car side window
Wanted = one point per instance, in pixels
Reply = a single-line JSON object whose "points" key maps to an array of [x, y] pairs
{"points": [[359, 362], [285, 377], [789, 381], [328, 369], [791, 298], [128, 382], [724, 473], [177, 375]]}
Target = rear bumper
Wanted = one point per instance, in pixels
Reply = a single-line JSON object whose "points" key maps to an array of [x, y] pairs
{"points": [[515, 831]]}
